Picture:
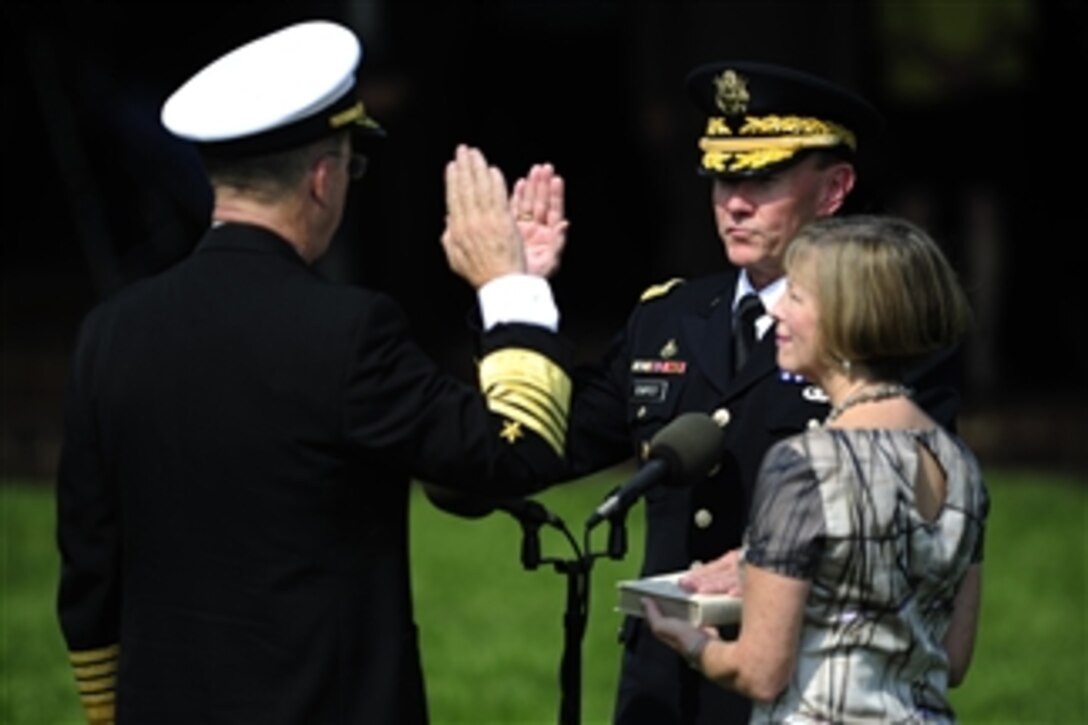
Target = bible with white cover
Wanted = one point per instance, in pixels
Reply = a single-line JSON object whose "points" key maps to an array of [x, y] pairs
{"points": [[698, 609]]}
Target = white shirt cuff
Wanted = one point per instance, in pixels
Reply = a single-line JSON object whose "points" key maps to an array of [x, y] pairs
{"points": [[523, 298]]}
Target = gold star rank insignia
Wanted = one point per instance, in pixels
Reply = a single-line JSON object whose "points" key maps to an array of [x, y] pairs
{"points": [[511, 431]]}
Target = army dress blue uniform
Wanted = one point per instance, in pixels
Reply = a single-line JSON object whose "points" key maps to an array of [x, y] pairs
{"points": [[674, 356]]}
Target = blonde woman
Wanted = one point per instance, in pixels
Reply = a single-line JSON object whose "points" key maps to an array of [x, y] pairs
{"points": [[862, 561]]}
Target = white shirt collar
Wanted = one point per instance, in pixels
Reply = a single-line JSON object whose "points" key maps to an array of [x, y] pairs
{"points": [[769, 296]]}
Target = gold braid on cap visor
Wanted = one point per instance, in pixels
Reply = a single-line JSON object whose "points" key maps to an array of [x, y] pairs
{"points": [[530, 390], [766, 140], [356, 114]]}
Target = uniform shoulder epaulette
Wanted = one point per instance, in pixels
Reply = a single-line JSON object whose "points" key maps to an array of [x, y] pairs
{"points": [[660, 290]]}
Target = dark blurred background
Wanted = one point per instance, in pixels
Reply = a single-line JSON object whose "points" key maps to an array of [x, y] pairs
{"points": [[983, 99]]}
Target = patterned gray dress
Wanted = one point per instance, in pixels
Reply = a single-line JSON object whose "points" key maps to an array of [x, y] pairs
{"points": [[836, 507]]}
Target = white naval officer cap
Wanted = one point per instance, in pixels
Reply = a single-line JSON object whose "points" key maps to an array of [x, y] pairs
{"points": [[282, 90]]}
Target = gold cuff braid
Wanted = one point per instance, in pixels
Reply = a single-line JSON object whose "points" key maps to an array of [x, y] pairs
{"points": [[96, 678], [528, 388]]}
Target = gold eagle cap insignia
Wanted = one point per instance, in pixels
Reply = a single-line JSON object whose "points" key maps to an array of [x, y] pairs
{"points": [[731, 93]]}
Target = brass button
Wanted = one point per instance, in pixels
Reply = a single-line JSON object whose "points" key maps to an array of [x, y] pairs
{"points": [[641, 412], [720, 417], [703, 518], [814, 423]]}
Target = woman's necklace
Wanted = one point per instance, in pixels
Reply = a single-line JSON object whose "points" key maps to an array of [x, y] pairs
{"points": [[868, 395]]}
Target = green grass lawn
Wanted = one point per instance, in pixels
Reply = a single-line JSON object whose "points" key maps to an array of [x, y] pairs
{"points": [[492, 632]]}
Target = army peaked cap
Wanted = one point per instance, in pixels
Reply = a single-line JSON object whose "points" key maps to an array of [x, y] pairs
{"points": [[760, 118]]}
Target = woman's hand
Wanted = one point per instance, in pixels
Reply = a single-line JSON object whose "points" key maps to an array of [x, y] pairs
{"points": [[686, 639], [721, 576]]}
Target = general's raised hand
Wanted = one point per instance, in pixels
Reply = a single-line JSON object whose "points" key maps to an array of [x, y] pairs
{"points": [[538, 207], [481, 240]]}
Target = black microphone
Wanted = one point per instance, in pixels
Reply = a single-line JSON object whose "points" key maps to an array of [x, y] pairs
{"points": [[688, 447], [471, 506]]}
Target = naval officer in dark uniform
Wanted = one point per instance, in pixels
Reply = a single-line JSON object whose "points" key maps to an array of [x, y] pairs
{"points": [[239, 433], [780, 148]]}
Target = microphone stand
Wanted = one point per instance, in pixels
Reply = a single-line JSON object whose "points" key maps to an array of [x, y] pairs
{"points": [[574, 627], [576, 614]]}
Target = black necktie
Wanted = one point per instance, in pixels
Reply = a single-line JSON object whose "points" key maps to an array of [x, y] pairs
{"points": [[749, 309]]}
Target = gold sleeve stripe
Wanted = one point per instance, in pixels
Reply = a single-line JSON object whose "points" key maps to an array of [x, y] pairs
{"points": [[522, 368], [524, 404], [543, 424], [528, 388], [542, 398], [515, 413], [535, 400], [96, 677], [100, 714], [89, 672], [97, 685], [98, 699], [95, 655]]}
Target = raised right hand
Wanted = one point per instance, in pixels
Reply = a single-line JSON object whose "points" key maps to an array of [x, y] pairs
{"points": [[538, 207], [481, 240]]}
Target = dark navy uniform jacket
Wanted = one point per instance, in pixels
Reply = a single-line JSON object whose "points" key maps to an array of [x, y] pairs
{"points": [[233, 488], [674, 356]]}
